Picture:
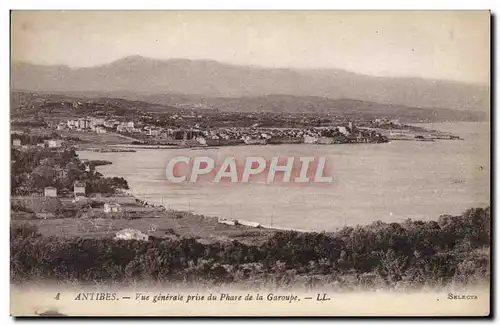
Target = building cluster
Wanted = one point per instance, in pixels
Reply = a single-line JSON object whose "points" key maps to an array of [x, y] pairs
{"points": [[49, 143], [79, 195], [99, 125], [261, 135], [105, 125], [385, 121], [317, 135], [195, 135]]}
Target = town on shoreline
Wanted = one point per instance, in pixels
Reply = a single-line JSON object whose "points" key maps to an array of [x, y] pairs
{"points": [[115, 126]]}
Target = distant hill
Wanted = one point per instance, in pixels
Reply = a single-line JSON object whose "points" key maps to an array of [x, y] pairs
{"points": [[137, 75], [311, 104], [27, 103], [285, 104]]}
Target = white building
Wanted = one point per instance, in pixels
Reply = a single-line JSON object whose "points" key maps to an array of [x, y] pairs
{"points": [[343, 130], [83, 124], [72, 124], [100, 129], [131, 234], [122, 127], [79, 188], [16, 142], [112, 208], [50, 192], [54, 143], [250, 224], [94, 122], [202, 141], [228, 221]]}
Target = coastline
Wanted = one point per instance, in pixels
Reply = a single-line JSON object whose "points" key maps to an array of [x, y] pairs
{"points": [[213, 221], [250, 224], [238, 222], [403, 155], [141, 215], [213, 253]]}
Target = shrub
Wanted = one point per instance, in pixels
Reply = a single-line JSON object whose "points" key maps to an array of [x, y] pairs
{"points": [[454, 249]]}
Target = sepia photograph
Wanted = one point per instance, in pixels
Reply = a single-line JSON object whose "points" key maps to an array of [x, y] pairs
{"points": [[250, 163]]}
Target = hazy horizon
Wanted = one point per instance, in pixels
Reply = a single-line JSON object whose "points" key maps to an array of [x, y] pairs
{"points": [[244, 65], [440, 45]]}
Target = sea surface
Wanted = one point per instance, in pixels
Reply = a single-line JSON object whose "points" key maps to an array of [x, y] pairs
{"points": [[388, 182]]}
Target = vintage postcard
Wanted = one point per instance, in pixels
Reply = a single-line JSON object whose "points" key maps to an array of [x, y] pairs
{"points": [[250, 163]]}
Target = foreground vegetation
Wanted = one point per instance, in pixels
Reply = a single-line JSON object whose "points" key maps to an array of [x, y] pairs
{"points": [[452, 250]]}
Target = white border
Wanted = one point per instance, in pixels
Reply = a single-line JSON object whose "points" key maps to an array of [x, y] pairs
{"points": [[187, 4], [258, 5]]}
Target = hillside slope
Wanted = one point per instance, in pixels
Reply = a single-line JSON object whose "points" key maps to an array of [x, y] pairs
{"points": [[144, 76]]}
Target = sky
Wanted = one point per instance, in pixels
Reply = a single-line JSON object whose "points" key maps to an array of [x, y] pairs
{"points": [[449, 45]]}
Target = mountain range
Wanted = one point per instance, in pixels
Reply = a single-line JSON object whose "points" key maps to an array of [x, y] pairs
{"points": [[144, 78]]}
